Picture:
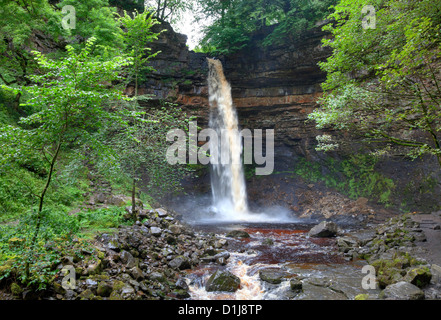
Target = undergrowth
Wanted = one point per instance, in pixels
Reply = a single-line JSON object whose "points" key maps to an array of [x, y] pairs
{"points": [[60, 235], [355, 176]]}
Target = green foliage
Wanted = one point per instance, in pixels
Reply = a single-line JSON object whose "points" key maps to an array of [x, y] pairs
{"points": [[71, 101], [54, 237], [135, 38], [94, 18], [129, 5], [381, 82], [101, 219], [60, 236], [168, 10], [235, 20], [20, 23], [7, 114], [295, 17], [354, 176]]}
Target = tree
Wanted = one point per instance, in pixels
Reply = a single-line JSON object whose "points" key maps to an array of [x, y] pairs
{"points": [[26, 25], [94, 18], [168, 10], [71, 99], [382, 82], [21, 22], [142, 149], [236, 20], [136, 37]]}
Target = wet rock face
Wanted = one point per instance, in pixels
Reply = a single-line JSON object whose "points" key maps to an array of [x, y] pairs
{"points": [[274, 87]]}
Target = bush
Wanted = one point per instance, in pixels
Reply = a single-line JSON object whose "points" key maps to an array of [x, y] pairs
{"points": [[57, 233], [60, 235], [354, 176]]}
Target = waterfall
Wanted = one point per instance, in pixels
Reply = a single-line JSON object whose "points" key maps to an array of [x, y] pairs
{"points": [[227, 177]]}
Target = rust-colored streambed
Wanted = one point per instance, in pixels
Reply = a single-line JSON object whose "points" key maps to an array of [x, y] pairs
{"points": [[286, 248]]}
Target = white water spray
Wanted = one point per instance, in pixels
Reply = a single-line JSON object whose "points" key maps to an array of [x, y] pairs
{"points": [[227, 178]]}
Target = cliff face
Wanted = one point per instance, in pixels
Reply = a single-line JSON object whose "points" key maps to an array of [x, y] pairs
{"points": [[273, 88], [276, 88]]}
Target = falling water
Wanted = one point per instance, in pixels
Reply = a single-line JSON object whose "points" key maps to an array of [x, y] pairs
{"points": [[227, 178]]}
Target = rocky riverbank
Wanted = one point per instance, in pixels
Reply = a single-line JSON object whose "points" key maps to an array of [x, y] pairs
{"points": [[142, 261], [403, 267], [151, 260]]}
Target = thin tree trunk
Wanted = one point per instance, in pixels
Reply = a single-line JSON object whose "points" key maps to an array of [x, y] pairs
{"points": [[134, 200], [40, 206]]}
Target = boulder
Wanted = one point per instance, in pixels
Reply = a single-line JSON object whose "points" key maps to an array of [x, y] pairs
{"points": [[101, 198], [220, 257], [86, 295], [402, 291], [176, 229], [157, 276], [104, 289], [238, 234], [272, 275], [419, 276], [180, 263], [323, 230], [128, 259], [136, 273], [161, 212], [118, 200], [182, 284], [94, 268], [295, 284], [155, 231], [222, 281]]}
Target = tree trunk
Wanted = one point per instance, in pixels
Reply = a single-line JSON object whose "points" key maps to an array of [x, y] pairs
{"points": [[40, 206], [134, 200]]}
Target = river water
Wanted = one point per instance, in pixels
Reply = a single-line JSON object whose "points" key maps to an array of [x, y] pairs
{"points": [[287, 248]]}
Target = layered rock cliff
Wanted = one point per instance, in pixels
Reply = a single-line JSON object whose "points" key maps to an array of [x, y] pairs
{"points": [[275, 87]]}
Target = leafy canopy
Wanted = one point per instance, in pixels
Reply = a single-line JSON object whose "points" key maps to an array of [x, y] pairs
{"points": [[382, 82], [236, 20]]}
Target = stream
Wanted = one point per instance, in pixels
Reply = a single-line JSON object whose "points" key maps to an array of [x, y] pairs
{"points": [[285, 248]]}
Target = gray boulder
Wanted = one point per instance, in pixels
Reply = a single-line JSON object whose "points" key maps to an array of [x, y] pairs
{"points": [[323, 230], [180, 263], [238, 234], [272, 275], [161, 212], [402, 291], [128, 259], [222, 281], [155, 231]]}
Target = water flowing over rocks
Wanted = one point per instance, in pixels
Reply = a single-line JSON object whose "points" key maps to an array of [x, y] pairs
{"points": [[223, 281]]}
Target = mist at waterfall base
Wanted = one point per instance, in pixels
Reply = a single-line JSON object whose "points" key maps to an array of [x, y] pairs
{"points": [[229, 197]]}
